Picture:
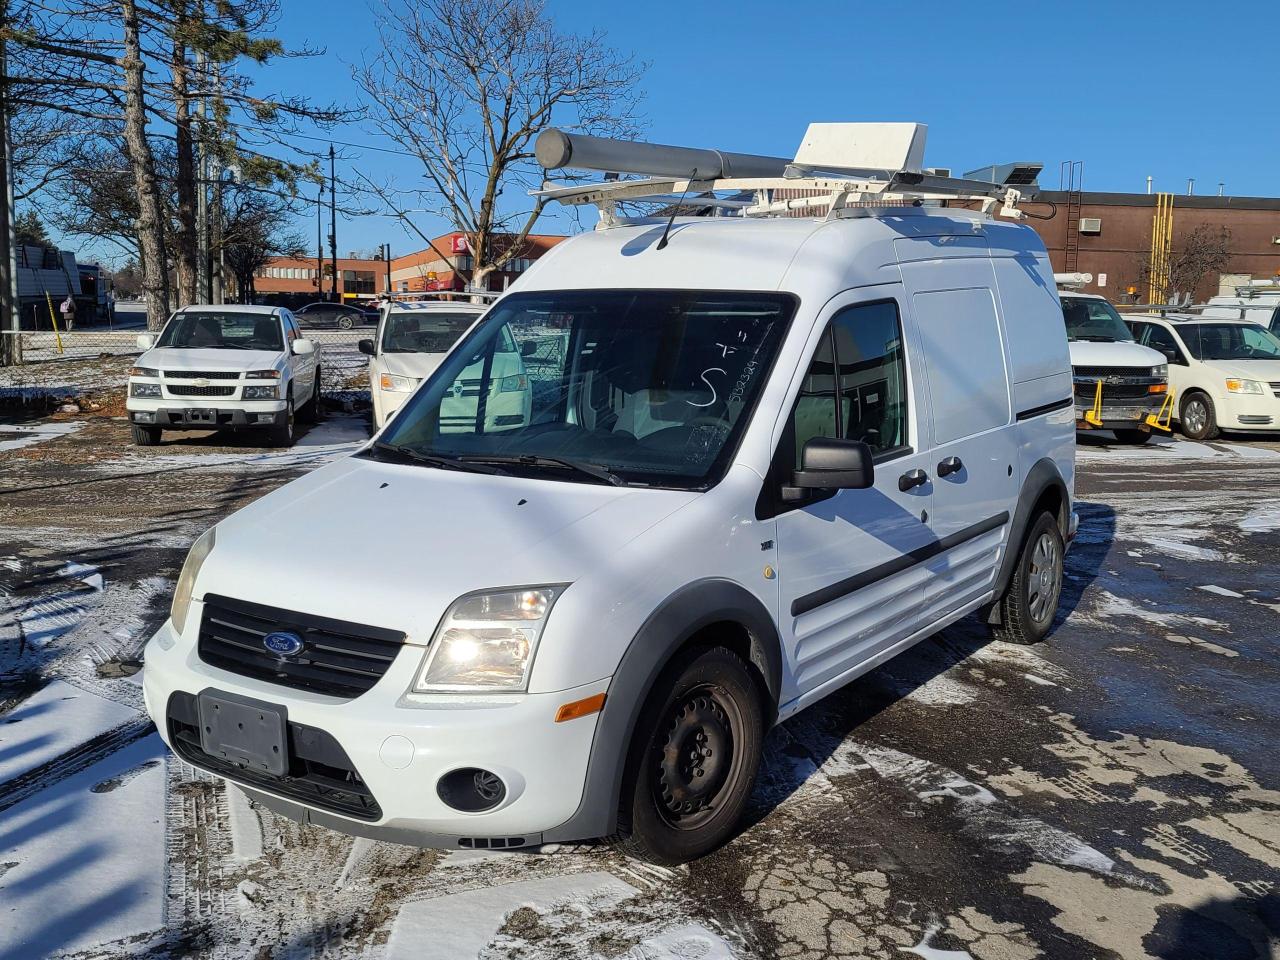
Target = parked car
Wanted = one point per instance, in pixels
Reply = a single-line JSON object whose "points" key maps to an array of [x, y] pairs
{"points": [[413, 339], [1226, 373], [1119, 385], [216, 367], [340, 316], [769, 457]]}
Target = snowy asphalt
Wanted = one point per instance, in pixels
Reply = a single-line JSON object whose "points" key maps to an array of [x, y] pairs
{"points": [[1113, 793]]}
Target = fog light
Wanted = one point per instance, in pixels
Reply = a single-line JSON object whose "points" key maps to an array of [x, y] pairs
{"points": [[471, 790], [144, 416], [266, 418]]}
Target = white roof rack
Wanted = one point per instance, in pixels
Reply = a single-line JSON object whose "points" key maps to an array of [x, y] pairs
{"points": [[839, 166]]}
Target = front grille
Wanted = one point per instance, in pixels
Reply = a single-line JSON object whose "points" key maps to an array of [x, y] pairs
{"points": [[470, 387], [1102, 373], [1275, 388], [1116, 391], [189, 390], [320, 772], [337, 658], [202, 374]]}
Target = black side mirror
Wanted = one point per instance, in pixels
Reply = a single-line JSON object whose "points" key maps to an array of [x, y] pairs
{"points": [[365, 346], [827, 463], [1173, 356], [528, 348]]}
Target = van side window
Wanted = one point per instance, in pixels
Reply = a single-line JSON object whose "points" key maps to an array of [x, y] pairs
{"points": [[1158, 338], [864, 344]]}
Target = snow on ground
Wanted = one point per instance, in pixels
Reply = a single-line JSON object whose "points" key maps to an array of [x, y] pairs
{"points": [[1263, 518], [86, 858], [39, 620], [17, 436], [54, 721]]}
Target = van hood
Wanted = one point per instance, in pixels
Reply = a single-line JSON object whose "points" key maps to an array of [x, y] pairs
{"points": [[206, 358], [393, 545], [1267, 371], [1087, 353], [416, 365]]}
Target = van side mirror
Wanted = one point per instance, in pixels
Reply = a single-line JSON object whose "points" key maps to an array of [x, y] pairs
{"points": [[1173, 355], [828, 463], [303, 348], [146, 341], [365, 346]]}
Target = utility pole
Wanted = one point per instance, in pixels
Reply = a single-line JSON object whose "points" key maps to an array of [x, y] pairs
{"points": [[319, 245], [8, 248], [216, 271], [333, 228], [386, 255]]}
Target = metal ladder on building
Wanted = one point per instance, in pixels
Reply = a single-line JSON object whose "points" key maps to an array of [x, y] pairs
{"points": [[1071, 180]]}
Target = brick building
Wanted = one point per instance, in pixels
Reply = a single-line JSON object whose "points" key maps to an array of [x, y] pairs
{"points": [[1114, 237], [446, 265]]}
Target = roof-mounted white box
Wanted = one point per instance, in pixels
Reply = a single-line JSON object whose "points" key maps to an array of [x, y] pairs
{"points": [[863, 146]]}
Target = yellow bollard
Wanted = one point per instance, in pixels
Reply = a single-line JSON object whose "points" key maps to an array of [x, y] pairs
{"points": [[54, 320]]}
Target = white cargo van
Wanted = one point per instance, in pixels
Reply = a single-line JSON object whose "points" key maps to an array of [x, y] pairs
{"points": [[1119, 385], [1258, 302], [768, 454]]}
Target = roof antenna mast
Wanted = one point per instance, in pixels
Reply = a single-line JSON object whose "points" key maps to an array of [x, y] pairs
{"points": [[662, 244]]}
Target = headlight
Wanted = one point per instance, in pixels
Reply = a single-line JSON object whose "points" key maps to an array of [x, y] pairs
{"points": [[487, 641], [144, 389], [389, 381], [263, 375], [187, 578], [1161, 371], [144, 372], [513, 384], [1243, 386], [261, 393]]}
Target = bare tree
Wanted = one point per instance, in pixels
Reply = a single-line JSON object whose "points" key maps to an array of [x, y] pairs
{"points": [[1196, 254], [257, 229], [465, 85]]}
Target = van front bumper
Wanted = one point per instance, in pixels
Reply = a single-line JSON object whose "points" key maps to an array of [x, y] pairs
{"points": [[399, 747]]}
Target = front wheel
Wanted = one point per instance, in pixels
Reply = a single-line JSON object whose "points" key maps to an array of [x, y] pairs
{"points": [[1134, 437], [145, 435], [282, 433], [345, 323], [1197, 417], [693, 759], [1031, 600]]}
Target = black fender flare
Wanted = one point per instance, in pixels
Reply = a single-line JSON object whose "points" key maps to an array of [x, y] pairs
{"points": [[678, 618], [1044, 475]]}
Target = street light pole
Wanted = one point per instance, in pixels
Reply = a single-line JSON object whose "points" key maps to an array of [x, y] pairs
{"points": [[386, 253], [8, 247], [319, 245], [333, 227]]}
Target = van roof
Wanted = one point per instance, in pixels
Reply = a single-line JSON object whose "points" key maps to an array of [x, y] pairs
{"points": [[802, 255], [419, 306], [224, 307]]}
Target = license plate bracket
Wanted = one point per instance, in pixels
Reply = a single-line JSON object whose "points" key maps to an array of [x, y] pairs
{"points": [[201, 415], [249, 733]]}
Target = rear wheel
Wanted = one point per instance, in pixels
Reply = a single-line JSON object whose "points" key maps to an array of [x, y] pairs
{"points": [[1031, 600], [345, 323], [1197, 417], [145, 435], [693, 759], [1132, 436]]}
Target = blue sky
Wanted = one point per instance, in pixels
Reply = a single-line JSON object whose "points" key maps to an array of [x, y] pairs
{"points": [[1172, 89]]}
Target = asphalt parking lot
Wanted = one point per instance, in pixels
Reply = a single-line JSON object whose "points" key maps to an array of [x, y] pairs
{"points": [[1113, 793]]}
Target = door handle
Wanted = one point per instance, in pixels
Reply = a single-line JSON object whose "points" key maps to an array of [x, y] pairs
{"points": [[949, 466], [912, 478]]}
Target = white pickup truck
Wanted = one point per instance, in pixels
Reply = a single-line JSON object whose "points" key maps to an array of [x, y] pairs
{"points": [[227, 366], [1119, 385]]}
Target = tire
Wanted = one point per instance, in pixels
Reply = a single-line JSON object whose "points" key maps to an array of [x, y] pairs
{"points": [[309, 412], [1134, 437], [1031, 599], [145, 436], [345, 323], [693, 758], [282, 435], [1197, 418]]}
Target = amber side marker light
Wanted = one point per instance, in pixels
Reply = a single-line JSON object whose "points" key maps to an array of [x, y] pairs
{"points": [[580, 708], [1158, 388]]}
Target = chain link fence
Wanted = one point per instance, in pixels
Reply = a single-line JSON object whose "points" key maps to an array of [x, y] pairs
{"points": [[44, 364]]}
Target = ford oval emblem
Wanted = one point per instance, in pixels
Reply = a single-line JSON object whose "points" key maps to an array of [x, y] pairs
{"points": [[283, 643]]}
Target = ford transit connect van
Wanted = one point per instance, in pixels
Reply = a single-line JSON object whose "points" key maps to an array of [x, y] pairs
{"points": [[767, 454]]}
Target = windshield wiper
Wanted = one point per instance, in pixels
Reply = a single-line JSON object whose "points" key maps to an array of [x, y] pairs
{"points": [[432, 459], [596, 472]]}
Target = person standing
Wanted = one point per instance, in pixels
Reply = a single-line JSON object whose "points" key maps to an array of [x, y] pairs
{"points": [[68, 311]]}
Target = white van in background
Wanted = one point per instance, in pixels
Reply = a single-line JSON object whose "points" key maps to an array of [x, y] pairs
{"points": [[1257, 302], [767, 454], [1119, 385]]}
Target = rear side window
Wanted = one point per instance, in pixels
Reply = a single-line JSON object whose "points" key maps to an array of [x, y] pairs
{"points": [[856, 384], [964, 356]]}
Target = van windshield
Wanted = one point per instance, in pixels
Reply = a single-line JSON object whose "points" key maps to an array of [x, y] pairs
{"points": [[223, 330], [620, 386], [425, 331], [1229, 341], [1094, 320]]}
